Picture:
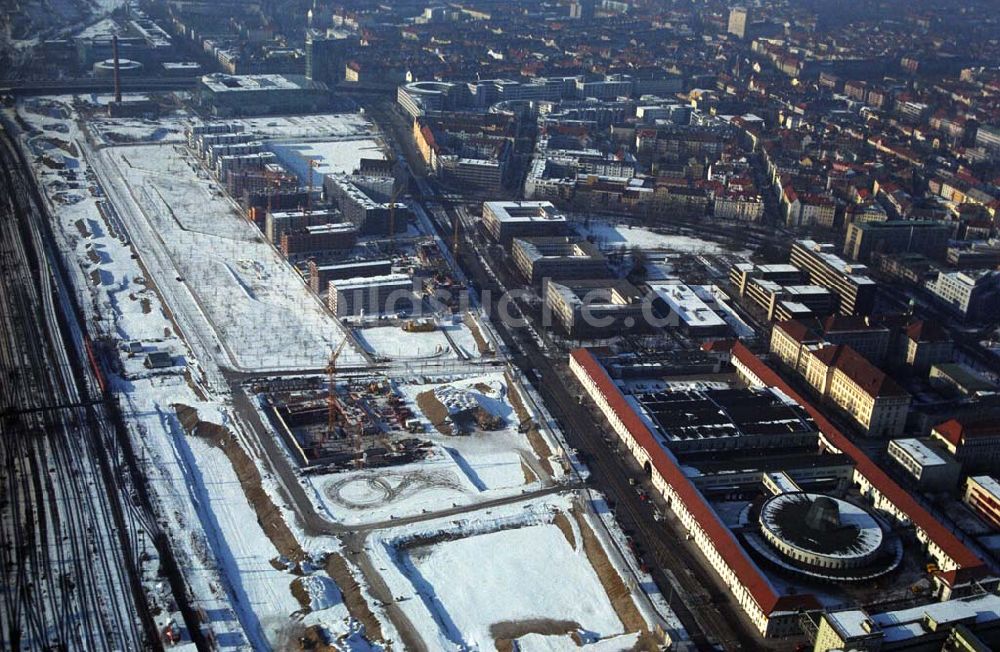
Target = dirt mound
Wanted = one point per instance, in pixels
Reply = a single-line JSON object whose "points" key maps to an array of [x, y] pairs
{"points": [[435, 411], [316, 639], [268, 515], [481, 344], [301, 594], [516, 402], [354, 600], [566, 528], [505, 633]]}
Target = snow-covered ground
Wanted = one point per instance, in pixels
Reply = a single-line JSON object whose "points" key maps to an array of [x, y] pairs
{"points": [[327, 125], [451, 339], [396, 343], [133, 130], [214, 532], [255, 302], [534, 573]]}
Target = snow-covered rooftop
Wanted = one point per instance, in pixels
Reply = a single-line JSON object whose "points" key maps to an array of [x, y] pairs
{"points": [[688, 305]]}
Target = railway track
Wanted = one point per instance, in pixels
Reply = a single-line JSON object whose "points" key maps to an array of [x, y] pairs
{"points": [[69, 539]]}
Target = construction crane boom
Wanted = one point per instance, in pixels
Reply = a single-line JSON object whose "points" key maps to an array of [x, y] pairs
{"points": [[332, 408]]}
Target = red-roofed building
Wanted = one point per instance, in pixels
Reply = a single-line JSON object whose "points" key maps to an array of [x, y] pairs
{"points": [[924, 344], [773, 613], [959, 565], [840, 373], [873, 399], [974, 442]]}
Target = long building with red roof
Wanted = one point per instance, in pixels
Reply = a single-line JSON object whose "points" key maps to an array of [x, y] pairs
{"points": [[774, 613]]}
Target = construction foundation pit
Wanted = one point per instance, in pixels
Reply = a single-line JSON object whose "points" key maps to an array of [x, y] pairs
{"points": [[362, 423]]}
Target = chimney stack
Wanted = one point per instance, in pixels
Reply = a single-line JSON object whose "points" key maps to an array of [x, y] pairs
{"points": [[118, 78]]}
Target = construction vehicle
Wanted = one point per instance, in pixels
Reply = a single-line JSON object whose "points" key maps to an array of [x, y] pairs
{"points": [[419, 326]]}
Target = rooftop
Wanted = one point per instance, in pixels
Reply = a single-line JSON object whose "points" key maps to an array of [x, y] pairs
{"points": [[684, 301], [353, 265], [558, 247], [957, 431], [596, 292], [222, 83], [372, 281], [856, 272], [919, 452], [683, 411], [524, 211], [872, 380], [989, 484], [854, 534]]}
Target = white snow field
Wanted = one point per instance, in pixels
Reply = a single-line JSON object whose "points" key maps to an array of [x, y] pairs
{"points": [[393, 342], [510, 568], [215, 266], [450, 340]]}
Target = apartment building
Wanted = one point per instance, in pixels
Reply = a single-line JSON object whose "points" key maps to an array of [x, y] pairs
{"points": [[781, 291], [975, 442], [594, 307], [982, 494], [932, 468], [374, 295], [850, 282], [321, 275], [972, 295], [506, 220], [924, 344], [558, 258], [871, 398], [318, 240], [925, 237]]}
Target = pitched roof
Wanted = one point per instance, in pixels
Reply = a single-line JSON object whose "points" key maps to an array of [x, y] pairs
{"points": [[967, 562], [927, 331], [958, 430], [796, 330], [763, 592], [844, 323], [872, 380], [718, 345]]}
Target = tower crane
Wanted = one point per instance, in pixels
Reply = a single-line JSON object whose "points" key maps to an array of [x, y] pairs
{"points": [[334, 409], [332, 405]]}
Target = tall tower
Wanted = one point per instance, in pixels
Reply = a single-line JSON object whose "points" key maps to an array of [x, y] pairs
{"points": [[326, 53], [739, 19], [118, 74]]}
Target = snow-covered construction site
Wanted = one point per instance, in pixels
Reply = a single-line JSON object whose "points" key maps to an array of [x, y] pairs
{"points": [[326, 480]]}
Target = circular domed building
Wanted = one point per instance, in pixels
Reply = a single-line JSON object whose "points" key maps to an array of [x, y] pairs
{"points": [[824, 537], [126, 67]]}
